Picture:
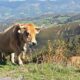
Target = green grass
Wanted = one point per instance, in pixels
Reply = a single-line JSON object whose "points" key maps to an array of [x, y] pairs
{"points": [[44, 71]]}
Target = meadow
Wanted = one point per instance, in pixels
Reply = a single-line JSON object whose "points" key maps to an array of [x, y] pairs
{"points": [[44, 71], [49, 61]]}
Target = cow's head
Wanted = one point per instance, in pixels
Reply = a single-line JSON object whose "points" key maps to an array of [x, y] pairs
{"points": [[29, 32]]}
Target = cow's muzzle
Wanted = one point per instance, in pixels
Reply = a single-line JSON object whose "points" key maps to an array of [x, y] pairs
{"points": [[33, 43]]}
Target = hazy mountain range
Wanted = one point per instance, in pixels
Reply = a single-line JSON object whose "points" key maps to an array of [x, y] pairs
{"points": [[17, 9]]}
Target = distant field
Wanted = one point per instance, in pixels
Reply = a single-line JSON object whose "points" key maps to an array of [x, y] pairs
{"points": [[44, 71]]}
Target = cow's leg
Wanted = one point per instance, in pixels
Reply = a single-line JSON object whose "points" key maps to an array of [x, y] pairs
{"points": [[1, 58], [23, 55], [4, 57], [13, 58], [25, 47], [19, 60], [24, 52]]}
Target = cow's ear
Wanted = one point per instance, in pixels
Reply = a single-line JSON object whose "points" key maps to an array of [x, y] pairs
{"points": [[38, 30]]}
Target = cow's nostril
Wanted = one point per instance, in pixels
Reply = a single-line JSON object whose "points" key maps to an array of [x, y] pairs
{"points": [[34, 44]]}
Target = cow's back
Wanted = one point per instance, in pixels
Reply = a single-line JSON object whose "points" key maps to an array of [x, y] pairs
{"points": [[5, 41]]}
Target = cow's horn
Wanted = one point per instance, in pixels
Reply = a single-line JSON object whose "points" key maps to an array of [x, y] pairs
{"points": [[21, 26]]}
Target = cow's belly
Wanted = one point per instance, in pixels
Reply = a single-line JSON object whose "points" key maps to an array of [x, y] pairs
{"points": [[6, 49]]}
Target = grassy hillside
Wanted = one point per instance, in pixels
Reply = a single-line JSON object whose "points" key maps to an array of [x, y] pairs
{"points": [[56, 44], [44, 71], [65, 31]]}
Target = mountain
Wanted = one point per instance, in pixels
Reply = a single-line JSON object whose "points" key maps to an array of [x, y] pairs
{"points": [[20, 9]]}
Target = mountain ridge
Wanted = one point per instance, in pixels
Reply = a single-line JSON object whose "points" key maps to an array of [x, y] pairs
{"points": [[28, 8]]}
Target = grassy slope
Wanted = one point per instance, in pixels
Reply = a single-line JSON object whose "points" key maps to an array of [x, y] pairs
{"points": [[45, 71]]}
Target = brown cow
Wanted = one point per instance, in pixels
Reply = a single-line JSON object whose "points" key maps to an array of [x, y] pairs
{"points": [[13, 39]]}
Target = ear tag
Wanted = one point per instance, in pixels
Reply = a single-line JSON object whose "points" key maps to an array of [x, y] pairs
{"points": [[19, 31]]}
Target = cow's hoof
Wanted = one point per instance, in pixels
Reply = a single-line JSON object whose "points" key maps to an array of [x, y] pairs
{"points": [[21, 64], [14, 64]]}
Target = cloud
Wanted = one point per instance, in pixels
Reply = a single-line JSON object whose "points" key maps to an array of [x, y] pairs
{"points": [[34, 0], [73, 2], [47, 0], [35, 5], [42, 0], [53, 0], [15, 0], [12, 0]]}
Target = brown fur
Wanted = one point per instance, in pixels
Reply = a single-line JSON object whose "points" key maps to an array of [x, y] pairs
{"points": [[11, 41]]}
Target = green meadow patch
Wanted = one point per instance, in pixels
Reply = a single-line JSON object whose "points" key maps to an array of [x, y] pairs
{"points": [[44, 71]]}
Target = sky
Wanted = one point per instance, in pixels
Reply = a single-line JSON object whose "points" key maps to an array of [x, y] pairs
{"points": [[42, 0], [12, 0], [27, 0]]}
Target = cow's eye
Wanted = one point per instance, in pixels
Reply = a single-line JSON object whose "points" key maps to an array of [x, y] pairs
{"points": [[26, 33]]}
